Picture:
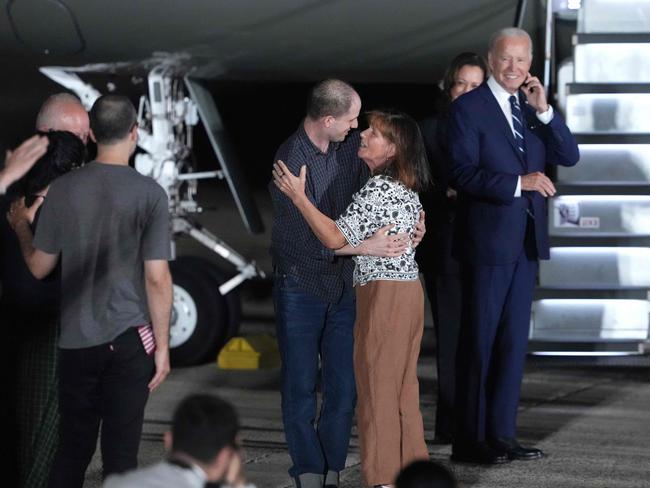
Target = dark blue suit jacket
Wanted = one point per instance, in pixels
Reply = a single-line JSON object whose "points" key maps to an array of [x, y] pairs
{"points": [[485, 163]]}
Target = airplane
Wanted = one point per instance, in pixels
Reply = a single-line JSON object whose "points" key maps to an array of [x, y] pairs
{"points": [[282, 40], [182, 46]]}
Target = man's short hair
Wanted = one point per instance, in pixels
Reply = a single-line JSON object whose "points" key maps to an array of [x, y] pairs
{"points": [[330, 97], [112, 118], [202, 426], [509, 32], [50, 112]]}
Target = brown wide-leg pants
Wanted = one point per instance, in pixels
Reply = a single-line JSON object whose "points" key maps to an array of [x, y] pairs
{"points": [[387, 336]]}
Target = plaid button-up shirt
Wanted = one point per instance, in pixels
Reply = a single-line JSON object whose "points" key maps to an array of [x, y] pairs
{"points": [[332, 179]]}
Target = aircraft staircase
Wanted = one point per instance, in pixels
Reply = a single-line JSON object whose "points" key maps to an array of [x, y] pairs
{"points": [[593, 296]]}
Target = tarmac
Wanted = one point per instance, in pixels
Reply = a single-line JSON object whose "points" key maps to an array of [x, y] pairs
{"points": [[592, 422], [592, 419]]}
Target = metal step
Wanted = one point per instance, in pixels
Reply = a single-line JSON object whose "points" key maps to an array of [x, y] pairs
{"points": [[563, 294], [603, 189], [577, 320], [612, 63], [614, 16], [596, 268], [588, 88], [606, 138], [611, 38], [600, 215], [619, 354], [608, 113], [609, 164]]}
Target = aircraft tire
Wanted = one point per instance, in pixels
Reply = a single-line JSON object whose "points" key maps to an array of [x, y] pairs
{"points": [[202, 319], [196, 316], [231, 301]]}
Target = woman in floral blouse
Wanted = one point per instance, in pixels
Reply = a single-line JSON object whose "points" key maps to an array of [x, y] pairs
{"points": [[390, 303]]}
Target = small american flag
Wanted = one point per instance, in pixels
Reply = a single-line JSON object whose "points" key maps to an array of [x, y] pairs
{"points": [[148, 340]]}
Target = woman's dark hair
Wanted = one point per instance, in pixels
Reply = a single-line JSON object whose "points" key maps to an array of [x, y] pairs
{"points": [[409, 165], [463, 59], [426, 474], [65, 151]]}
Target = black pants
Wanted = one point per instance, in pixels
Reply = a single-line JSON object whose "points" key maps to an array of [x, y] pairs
{"points": [[444, 293], [443, 284], [104, 384]]}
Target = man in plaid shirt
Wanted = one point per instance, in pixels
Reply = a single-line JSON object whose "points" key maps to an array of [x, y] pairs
{"points": [[313, 296]]}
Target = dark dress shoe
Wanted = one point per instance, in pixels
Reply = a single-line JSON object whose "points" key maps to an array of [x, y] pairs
{"points": [[516, 451], [478, 453]]}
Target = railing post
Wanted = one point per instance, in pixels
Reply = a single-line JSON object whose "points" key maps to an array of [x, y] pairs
{"points": [[521, 12], [548, 45]]}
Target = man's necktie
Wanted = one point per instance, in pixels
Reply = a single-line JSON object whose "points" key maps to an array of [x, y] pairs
{"points": [[517, 124]]}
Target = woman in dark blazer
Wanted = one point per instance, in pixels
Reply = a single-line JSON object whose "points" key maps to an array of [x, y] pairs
{"points": [[441, 272]]}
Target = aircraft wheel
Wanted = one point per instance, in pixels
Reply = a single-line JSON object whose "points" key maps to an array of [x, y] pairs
{"points": [[202, 319]]}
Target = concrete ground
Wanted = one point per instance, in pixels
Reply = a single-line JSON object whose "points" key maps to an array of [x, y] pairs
{"points": [[592, 421]]}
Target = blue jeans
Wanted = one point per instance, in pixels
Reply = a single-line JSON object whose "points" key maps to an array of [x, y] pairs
{"points": [[308, 328]]}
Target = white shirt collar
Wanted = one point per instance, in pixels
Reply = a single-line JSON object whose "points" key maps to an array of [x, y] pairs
{"points": [[503, 99], [499, 92]]}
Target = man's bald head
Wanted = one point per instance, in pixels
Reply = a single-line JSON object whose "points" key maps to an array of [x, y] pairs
{"points": [[64, 112]]}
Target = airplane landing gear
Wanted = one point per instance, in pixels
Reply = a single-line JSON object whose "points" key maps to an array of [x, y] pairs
{"points": [[206, 306]]}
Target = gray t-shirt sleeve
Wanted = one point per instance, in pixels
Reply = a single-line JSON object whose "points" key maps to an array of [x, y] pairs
{"points": [[48, 228], [156, 236]]}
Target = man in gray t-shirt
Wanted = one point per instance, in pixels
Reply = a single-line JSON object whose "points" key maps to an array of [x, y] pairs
{"points": [[105, 220], [109, 226]]}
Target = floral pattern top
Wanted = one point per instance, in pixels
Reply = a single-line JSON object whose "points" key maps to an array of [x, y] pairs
{"points": [[382, 201]]}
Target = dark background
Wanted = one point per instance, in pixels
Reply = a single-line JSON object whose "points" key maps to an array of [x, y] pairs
{"points": [[258, 116]]}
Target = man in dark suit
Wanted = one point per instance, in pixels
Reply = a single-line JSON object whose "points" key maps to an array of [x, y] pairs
{"points": [[502, 135]]}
